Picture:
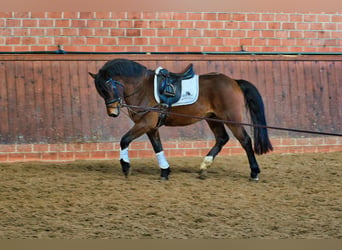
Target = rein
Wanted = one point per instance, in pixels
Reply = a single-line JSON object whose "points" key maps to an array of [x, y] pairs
{"points": [[163, 111], [160, 109]]}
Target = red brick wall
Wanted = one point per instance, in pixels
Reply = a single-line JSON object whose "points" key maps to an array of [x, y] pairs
{"points": [[166, 32], [107, 151], [171, 31]]}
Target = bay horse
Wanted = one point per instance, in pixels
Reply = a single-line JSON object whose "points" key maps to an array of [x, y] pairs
{"points": [[220, 97]]}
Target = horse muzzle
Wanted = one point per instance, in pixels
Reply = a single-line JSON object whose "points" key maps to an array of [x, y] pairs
{"points": [[113, 111], [113, 107]]}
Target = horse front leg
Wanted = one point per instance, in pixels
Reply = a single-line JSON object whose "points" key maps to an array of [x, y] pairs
{"points": [[132, 134], [154, 137]]}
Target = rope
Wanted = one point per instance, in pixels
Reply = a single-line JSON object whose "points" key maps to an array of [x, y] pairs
{"points": [[158, 110]]}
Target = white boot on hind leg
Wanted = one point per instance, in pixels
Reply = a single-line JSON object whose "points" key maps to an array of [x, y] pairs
{"points": [[208, 160]]}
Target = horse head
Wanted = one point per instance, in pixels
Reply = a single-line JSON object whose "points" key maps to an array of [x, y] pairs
{"points": [[110, 90]]}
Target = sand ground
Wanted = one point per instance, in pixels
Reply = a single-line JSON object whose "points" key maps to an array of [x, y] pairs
{"points": [[298, 197]]}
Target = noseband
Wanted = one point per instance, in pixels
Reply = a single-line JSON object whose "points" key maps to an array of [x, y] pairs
{"points": [[114, 85]]}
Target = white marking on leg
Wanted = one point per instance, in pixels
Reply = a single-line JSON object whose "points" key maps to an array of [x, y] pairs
{"points": [[256, 179], [162, 160], [124, 154], [208, 160]]}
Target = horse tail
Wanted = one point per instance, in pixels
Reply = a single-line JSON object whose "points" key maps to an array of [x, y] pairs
{"points": [[255, 105]]}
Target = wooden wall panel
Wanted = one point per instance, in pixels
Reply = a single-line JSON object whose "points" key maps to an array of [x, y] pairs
{"points": [[10, 136], [4, 104], [39, 111], [51, 99]]}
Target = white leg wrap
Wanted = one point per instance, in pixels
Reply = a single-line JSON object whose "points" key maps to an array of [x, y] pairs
{"points": [[124, 154], [162, 160], [208, 160]]}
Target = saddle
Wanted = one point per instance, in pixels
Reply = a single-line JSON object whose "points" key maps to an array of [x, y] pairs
{"points": [[169, 84]]}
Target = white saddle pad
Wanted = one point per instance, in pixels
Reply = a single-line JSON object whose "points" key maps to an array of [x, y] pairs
{"points": [[189, 94]]}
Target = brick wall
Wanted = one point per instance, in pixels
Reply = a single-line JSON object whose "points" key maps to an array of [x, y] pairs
{"points": [[171, 31], [166, 32], [107, 151]]}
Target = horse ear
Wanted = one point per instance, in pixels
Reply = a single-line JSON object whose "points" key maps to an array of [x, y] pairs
{"points": [[92, 75]]}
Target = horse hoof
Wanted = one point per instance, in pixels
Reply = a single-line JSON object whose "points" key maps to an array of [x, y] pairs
{"points": [[254, 179], [164, 174], [126, 168], [203, 175], [127, 172]]}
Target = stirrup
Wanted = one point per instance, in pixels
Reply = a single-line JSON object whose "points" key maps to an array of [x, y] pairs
{"points": [[170, 90]]}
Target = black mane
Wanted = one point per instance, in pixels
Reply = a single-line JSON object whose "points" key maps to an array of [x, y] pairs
{"points": [[121, 67]]}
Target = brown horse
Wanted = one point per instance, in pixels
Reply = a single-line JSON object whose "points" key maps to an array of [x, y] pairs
{"points": [[220, 97]]}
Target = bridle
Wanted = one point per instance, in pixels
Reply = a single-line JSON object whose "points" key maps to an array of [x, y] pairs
{"points": [[114, 85]]}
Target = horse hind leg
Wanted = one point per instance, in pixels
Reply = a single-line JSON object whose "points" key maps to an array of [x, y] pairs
{"points": [[246, 142], [222, 138]]}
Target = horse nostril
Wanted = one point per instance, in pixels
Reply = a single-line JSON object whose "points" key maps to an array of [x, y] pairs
{"points": [[112, 115]]}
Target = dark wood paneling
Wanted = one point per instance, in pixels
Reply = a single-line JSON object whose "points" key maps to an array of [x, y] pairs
{"points": [[39, 109], [4, 104], [12, 102], [51, 98]]}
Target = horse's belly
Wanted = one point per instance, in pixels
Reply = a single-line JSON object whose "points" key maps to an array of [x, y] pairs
{"points": [[179, 121]]}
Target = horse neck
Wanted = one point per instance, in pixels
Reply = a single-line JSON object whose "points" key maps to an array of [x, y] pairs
{"points": [[139, 91]]}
